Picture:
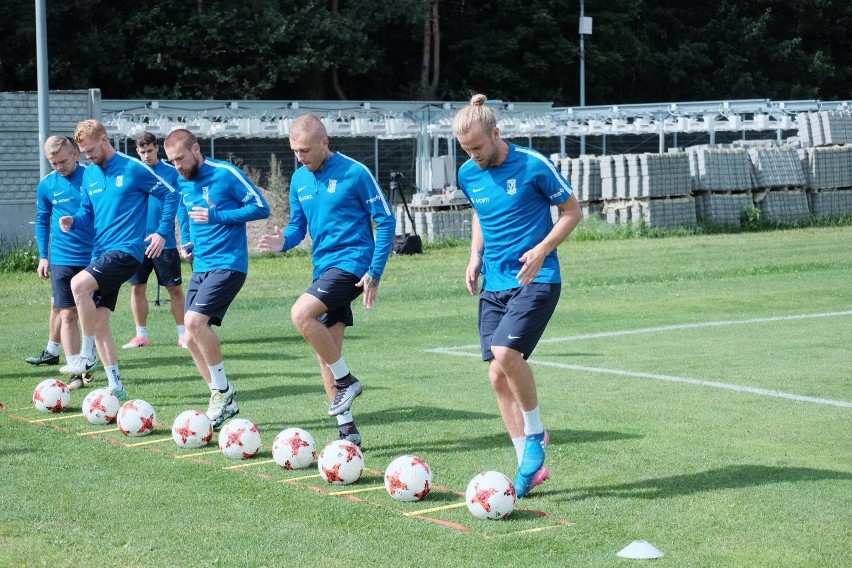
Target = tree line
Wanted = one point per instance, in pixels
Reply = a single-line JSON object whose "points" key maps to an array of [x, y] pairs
{"points": [[517, 50]]}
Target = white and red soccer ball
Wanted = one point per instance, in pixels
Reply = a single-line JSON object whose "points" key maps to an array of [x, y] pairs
{"points": [[490, 495], [51, 395], [136, 418], [101, 406], [408, 478], [239, 439], [294, 448], [341, 463], [192, 429]]}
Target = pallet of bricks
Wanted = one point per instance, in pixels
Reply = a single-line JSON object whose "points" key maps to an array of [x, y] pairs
{"points": [[779, 182], [828, 179], [722, 182], [584, 175], [647, 189]]}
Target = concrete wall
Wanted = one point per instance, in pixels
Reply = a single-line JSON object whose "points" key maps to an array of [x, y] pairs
{"points": [[20, 152]]}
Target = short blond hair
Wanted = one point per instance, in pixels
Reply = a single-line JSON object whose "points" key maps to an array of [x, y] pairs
{"points": [[55, 144], [476, 113], [88, 130]]}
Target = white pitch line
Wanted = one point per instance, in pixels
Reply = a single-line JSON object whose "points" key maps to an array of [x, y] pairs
{"points": [[457, 351], [714, 384], [657, 329], [687, 380]]}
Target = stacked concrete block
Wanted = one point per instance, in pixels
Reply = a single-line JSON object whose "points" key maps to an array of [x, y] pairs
{"points": [[836, 126], [721, 169], [722, 208], [565, 169], [828, 167], [634, 175], [618, 212], [664, 175], [576, 177], [777, 167], [666, 213], [804, 124], [591, 179], [790, 205], [607, 178], [830, 203], [817, 136]]}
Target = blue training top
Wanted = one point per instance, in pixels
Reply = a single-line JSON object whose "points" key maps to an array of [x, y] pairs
{"points": [[58, 196], [512, 202], [232, 200], [115, 200], [155, 206], [335, 204]]}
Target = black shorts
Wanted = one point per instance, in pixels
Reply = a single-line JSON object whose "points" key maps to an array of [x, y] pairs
{"points": [[111, 270], [166, 267], [210, 293], [60, 283], [516, 318], [336, 289]]}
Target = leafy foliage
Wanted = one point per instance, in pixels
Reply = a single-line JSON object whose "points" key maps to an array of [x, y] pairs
{"points": [[640, 50]]}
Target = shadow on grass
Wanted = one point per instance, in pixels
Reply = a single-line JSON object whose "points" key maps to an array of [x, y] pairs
{"points": [[730, 477]]}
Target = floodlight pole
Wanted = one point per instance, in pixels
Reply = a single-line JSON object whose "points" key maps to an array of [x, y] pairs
{"points": [[585, 29], [43, 88]]}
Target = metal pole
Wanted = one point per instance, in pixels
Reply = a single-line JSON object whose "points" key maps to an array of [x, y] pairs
{"points": [[43, 87], [582, 77]]}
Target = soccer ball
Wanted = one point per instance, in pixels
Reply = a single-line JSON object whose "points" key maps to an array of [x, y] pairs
{"points": [[192, 429], [408, 478], [51, 395], [239, 439], [136, 418], [294, 448], [341, 463], [490, 495], [101, 406]]}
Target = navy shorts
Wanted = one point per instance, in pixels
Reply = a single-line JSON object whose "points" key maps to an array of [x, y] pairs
{"points": [[516, 318], [60, 283], [111, 270], [210, 293], [166, 267], [336, 289]]}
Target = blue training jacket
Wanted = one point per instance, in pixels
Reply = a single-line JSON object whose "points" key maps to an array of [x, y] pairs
{"points": [[58, 196], [232, 200], [336, 205]]}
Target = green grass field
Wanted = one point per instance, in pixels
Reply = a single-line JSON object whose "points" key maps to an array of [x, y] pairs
{"points": [[697, 392]]}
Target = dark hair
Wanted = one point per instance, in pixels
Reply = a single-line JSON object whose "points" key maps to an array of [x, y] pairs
{"points": [[145, 138]]}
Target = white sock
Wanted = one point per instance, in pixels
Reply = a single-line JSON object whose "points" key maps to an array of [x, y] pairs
{"points": [[181, 331], [519, 447], [532, 422], [218, 380], [52, 347], [113, 377], [142, 331], [345, 418], [339, 369], [88, 349]]}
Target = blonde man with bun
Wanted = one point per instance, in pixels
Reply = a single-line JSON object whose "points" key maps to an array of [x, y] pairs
{"points": [[513, 247]]}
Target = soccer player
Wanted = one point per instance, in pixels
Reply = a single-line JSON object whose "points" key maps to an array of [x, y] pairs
{"points": [[337, 200], [219, 200], [167, 265], [513, 247], [116, 189], [58, 194]]}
